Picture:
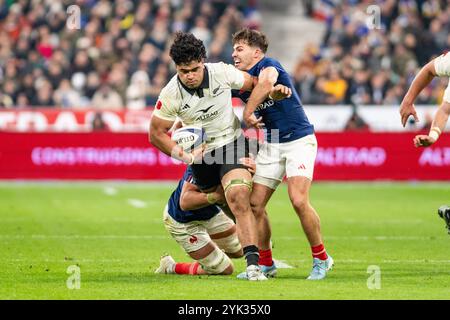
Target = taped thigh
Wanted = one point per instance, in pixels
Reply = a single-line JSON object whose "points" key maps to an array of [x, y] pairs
{"points": [[229, 244], [238, 182], [216, 262]]}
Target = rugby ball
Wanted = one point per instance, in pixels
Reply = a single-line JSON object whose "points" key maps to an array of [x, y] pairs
{"points": [[189, 137]]}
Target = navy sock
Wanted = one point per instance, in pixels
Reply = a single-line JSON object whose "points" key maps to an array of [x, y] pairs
{"points": [[251, 254]]}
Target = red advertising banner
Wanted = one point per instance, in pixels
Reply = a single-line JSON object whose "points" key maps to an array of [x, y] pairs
{"points": [[106, 155], [73, 120], [380, 156]]}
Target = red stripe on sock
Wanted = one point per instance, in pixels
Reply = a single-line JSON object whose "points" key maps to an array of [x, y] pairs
{"points": [[265, 258], [319, 252], [186, 268]]}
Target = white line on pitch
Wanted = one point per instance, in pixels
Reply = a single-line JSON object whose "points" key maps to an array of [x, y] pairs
{"points": [[137, 203], [117, 236], [281, 264], [300, 261], [110, 191]]}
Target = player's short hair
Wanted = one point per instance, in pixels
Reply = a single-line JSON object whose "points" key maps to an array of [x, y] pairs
{"points": [[187, 48], [253, 38]]}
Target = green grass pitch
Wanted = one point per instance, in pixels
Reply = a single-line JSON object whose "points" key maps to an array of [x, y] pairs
{"points": [[114, 233]]}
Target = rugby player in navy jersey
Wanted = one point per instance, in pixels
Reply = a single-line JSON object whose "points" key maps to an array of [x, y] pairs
{"points": [[197, 223], [289, 150]]}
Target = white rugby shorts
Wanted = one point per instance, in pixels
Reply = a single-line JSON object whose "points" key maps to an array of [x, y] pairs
{"points": [[290, 159], [194, 235]]}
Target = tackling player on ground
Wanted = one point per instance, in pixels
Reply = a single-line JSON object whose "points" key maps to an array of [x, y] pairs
{"points": [[437, 67], [290, 149], [201, 228]]}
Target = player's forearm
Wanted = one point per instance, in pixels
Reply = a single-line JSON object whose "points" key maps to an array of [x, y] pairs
{"points": [[259, 94], [422, 80], [441, 117], [193, 200]]}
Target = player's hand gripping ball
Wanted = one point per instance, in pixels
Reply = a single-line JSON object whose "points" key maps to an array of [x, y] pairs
{"points": [[189, 137]]}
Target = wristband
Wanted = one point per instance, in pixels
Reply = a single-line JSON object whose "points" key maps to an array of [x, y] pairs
{"points": [[210, 198], [435, 132]]}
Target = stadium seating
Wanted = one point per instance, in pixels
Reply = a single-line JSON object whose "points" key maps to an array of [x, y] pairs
{"points": [[359, 65], [116, 57]]}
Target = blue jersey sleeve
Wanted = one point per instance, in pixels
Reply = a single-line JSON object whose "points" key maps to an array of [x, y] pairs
{"points": [[269, 62]]}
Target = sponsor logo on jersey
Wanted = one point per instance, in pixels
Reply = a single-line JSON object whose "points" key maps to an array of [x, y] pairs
{"points": [[158, 105], [265, 105], [206, 110], [208, 116]]}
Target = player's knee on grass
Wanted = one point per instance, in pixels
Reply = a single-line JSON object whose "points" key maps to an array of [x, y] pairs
{"points": [[217, 262]]}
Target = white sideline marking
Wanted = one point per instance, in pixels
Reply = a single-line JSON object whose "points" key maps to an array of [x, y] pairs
{"points": [[384, 222], [301, 261], [137, 203], [281, 264], [110, 191], [118, 236], [87, 237], [381, 238]]}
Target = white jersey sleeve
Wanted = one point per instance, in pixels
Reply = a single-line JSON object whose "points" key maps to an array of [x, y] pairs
{"points": [[233, 76], [167, 106], [442, 66]]}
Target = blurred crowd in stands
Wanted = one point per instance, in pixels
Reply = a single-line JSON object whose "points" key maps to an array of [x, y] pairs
{"points": [[359, 65], [117, 58]]}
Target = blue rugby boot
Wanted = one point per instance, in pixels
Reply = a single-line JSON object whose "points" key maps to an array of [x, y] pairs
{"points": [[320, 268]]}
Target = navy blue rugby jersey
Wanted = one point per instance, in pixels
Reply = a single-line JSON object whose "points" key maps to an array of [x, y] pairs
{"points": [[181, 216], [287, 115]]}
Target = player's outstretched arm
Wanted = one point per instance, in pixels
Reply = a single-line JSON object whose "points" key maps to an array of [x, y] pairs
{"points": [[422, 79], [437, 127]]}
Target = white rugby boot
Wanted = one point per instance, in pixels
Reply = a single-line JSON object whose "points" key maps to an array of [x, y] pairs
{"points": [[254, 273], [166, 265]]}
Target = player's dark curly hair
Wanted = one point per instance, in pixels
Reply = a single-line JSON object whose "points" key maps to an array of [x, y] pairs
{"points": [[253, 38], [187, 48]]}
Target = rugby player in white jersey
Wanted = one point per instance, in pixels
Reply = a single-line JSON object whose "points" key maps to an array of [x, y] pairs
{"points": [[440, 67], [200, 95], [437, 67]]}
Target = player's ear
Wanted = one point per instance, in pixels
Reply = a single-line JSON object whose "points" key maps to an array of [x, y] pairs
{"points": [[258, 53]]}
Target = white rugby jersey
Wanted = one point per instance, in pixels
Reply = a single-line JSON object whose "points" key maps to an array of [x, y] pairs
{"points": [[208, 107], [442, 66]]}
